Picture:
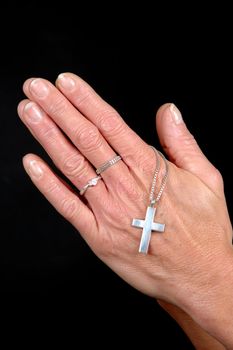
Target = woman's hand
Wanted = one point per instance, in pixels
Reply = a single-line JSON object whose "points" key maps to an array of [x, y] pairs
{"points": [[187, 265]]}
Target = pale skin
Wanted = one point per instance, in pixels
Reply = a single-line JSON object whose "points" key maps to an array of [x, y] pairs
{"points": [[190, 266]]}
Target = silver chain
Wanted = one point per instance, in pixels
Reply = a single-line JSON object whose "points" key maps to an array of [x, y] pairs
{"points": [[155, 174], [154, 200]]}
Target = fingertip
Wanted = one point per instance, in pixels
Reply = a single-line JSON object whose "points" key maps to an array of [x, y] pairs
{"points": [[61, 75], [163, 112], [163, 118], [66, 81], [26, 85], [69, 81], [162, 108], [175, 114], [29, 157], [170, 112], [21, 106], [169, 120], [33, 166]]}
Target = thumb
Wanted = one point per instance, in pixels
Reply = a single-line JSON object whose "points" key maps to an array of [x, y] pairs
{"points": [[182, 148]]}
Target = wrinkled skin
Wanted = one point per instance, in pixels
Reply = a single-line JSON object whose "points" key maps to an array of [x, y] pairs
{"points": [[184, 264]]}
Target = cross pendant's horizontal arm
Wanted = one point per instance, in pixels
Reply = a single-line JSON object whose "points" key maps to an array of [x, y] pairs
{"points": [[155, 225]]}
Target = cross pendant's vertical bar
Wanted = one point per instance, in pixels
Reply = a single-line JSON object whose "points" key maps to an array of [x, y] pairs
{"points": [[146, 233]]}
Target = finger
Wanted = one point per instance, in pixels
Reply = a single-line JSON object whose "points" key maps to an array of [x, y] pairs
{"points": [[182, 148], [66, 157], [84, 135], [122, 138], [63, 200]]}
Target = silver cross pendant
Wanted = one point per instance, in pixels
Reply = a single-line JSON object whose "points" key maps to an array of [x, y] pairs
{"points": [[148, 225]]}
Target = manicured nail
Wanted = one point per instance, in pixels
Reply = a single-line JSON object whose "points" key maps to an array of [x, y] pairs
{"points": [[32, 113], [34, 169], [176, 115], [39, 88], [66, 82]]}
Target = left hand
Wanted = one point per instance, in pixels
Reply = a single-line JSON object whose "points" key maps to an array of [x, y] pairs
{"points": [[80, 132]]}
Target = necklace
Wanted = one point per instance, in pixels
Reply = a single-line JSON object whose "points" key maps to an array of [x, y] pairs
{"points": [[148, 225]]}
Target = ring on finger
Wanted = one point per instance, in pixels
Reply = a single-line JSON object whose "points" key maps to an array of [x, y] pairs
{"points": [[108, 164], [91, 183]]}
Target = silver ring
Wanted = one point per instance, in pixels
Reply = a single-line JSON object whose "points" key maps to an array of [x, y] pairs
{"points": [[108, 164], [91, 183]]}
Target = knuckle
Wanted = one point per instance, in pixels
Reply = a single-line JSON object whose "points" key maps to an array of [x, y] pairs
{"points": [[88, 138], [75, 166], [52, 187], [190, 147], [58, 106], [145, 161], [111, 122], [82, 96], [188, 140], [185, 156], [69, 208], [50, 134], [217, 177]]}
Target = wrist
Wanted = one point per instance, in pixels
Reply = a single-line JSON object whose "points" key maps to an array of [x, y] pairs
{"points": [[212, 306], [199, 338]]}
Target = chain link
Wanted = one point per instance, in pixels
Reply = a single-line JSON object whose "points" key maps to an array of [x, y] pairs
{"points": [[154, 200]]}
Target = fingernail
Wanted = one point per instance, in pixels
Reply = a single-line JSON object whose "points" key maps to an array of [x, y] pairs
{"points": [[176, 115], [66, 82], [34, 169], [39, 88], [32, 113]]}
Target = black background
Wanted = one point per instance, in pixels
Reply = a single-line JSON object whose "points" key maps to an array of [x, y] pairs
{"points": [[53, 289]]}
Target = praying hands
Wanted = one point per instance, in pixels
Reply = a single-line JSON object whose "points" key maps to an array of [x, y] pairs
{"points": [[163, 226]]}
